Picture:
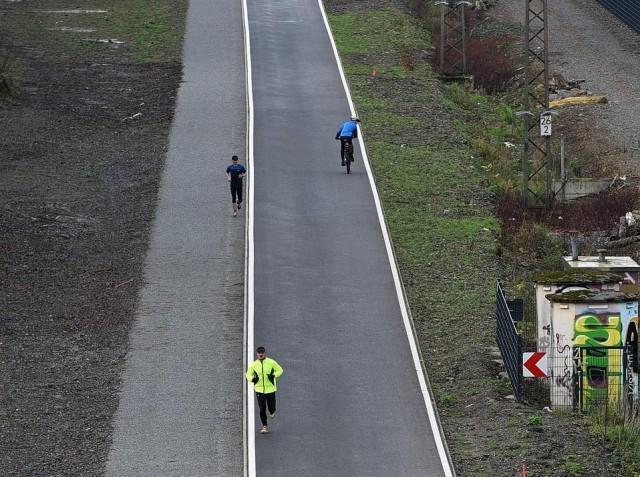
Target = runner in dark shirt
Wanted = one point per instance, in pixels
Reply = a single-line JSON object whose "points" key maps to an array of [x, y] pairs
{"points": [[235, 173]]}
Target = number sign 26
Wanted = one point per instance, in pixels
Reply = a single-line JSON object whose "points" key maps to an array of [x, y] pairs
{"points": [[545, 125]]}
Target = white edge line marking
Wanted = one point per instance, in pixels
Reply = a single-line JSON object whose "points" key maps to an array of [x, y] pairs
{"points": [[437, 432], [249, 407]]}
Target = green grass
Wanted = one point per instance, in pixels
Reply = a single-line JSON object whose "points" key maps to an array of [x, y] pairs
{"points": [[572, 466], [384, 32], [151, 30]]}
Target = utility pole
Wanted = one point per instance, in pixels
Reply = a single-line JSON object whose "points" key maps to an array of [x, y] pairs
{"points": [[536, 158], [453, 38]]}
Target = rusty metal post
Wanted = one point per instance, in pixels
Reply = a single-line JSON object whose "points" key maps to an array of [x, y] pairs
{"points": [[453, 37], [537, 149]]}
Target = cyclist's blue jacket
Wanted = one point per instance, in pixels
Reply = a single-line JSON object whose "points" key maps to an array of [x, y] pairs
{"points": [[347, 130]]}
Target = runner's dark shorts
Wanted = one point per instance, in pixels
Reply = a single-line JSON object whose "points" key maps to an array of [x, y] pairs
{"points": [[236, 192]]}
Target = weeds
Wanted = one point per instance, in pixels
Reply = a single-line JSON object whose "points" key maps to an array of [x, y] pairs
{"points": [[534, 420], [619, 427], [448, 399], [572, 466], [407, 57]]}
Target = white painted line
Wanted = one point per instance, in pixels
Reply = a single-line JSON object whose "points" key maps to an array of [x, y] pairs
{"points": [[435, 426], [75, 11], [249, 407]]}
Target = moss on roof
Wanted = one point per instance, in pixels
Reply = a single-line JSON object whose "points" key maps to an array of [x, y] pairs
{"points": [[592, 296], [577, 276]]}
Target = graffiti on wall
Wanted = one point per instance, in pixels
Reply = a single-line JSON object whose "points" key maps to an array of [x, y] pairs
{"points": [[601, 368]]}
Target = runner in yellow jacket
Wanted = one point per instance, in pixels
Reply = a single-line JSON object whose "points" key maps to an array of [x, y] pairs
{"points": [[264, 373]]}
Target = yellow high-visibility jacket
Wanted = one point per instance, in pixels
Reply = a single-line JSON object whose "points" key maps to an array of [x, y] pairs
{"points": [[264, 375]]}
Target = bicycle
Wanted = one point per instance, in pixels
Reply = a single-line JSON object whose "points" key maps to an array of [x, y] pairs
{"points": [[348, 155]]}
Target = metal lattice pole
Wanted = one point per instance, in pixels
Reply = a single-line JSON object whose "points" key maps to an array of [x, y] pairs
{"points": [[536, 160], [453, 48]]}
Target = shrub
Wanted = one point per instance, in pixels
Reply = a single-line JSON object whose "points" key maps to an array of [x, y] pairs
{"points": [[407, 57], [598, 212], [588, 214], [488, 61]]}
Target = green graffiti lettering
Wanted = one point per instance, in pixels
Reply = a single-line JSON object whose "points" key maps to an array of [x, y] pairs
{"points": [[590, 330], [601, 368]]}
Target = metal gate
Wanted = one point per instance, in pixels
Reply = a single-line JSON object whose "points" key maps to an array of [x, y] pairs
{"points": [[605, 377]]}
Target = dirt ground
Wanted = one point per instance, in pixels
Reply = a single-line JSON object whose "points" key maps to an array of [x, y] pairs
{"points": [[78, 186]]}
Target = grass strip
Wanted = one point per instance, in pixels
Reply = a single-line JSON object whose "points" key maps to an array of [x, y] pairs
{"points": [[114, 31]]}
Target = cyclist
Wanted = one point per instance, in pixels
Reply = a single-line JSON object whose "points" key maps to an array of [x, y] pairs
{"points": [[347, 131]]}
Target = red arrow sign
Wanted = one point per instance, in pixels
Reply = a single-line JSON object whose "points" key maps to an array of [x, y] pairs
{"points": [[534, 365]]}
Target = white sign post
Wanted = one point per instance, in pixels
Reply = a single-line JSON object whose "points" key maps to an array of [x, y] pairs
{"points": [[545, 124]]}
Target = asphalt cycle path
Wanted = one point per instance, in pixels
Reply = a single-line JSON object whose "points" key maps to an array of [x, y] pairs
{"points": [[326, 305], [180, 410]]}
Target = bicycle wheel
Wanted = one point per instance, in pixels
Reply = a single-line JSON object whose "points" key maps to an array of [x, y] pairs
{"points": [[348, 155]]}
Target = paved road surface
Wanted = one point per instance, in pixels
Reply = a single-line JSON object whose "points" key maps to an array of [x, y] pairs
{"points": [[180, 410], [325, 302]]}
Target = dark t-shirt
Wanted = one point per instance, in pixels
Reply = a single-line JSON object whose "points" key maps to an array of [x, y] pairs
{"points": [[234, 170]]}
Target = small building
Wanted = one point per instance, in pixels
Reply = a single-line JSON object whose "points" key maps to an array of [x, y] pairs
{"points": [[625, 266], [565, 281], [589, 362]]}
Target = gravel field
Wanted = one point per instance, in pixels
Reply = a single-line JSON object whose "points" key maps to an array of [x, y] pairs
{"points": [[588, 42]]}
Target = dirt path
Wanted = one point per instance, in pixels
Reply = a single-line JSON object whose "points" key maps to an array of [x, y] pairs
{"points": [[587, 42]]}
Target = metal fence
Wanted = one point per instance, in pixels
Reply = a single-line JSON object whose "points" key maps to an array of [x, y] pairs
{"points": [[509, 342], [578, 377], [585, 378], [627, 10], [602, 376]]}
